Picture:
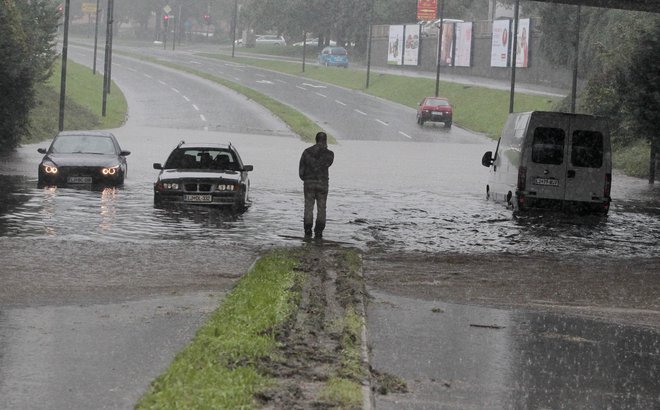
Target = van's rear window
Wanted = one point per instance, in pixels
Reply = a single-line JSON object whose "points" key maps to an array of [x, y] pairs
{"points": [[587, 149], [548, 146]]}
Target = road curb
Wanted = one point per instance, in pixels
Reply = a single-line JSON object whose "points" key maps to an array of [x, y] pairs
{"points": [[367, 396]]}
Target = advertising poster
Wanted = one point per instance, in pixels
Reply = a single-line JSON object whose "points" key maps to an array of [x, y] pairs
{"points": [[395, 46], [427, 10], [499, 52], [447, 50], [411, 52], [463, 53], [522, 44]]}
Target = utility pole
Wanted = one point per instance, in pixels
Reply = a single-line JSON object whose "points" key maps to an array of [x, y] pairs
{"points": [[108, 57], [65, 47], [438, 62], [96, 37], [514, 43], [233, 32], [575, 60]]}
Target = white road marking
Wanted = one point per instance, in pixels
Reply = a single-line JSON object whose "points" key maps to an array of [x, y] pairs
{"points": [[202, 117], [131, 69], [147, 75], [382, 122], [322, 95], [186, 98], [264, 82], [195, 62], [162, 82], [340, 103], [314, 86], [405, 135], [302, 88], [195, 107], [281, 81], [260, 75], [237, 79], [175, 90], [360, 112]]}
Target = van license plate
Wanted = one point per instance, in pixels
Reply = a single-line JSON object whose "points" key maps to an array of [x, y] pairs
{"points": [[546, 182], [197, 198]]}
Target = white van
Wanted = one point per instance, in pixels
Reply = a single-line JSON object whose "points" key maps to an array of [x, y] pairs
{"points": [[552, 160]]}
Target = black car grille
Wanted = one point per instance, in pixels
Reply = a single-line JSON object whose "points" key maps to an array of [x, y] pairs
{"points": [[197, 187]]}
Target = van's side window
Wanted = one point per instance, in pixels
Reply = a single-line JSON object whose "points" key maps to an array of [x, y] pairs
{"points": [[548, 146], [587, 149]]}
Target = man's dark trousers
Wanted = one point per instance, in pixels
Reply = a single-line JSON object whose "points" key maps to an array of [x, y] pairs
{"points": [[315, 191]]}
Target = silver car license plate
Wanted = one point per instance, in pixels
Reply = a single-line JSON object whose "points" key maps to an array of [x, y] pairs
{"points": [[79, 180], [197, 198]]}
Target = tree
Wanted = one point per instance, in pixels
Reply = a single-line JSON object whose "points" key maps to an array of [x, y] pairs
{"points": [[27, 32]]}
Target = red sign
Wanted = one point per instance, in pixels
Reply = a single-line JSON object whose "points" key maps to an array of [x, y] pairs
{"points": [[427, 10]]}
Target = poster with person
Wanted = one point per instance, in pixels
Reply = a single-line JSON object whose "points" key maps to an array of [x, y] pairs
{"points": [[412, 33], [522, 44], [463, 53], [395, 46], [499, 52], [447, 50]]}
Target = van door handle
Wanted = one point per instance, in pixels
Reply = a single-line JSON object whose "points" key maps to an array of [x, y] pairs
{"points": [[571, 173]]}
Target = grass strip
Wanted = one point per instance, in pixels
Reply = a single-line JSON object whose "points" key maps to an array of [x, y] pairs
{"points": [[479, 109], [218, 368], [83, 104]]}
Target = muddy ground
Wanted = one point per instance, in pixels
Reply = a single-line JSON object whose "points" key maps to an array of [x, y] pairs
{"points": [[625, 291]]}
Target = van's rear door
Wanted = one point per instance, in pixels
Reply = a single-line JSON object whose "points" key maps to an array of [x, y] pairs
{"points": [[588, 160], [546, 167]]}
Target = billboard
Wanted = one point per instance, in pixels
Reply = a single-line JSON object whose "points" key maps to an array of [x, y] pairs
{"points": [[427, 10], [395, 46], [499, 52], [447, 50], [522, 44], [411, 51], [463, 45]]}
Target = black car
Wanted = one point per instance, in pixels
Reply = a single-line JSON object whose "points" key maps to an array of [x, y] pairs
{"points": [[203, 174], [83, 158]]}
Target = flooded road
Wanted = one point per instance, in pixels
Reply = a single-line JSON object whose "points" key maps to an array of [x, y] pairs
{"points": [[385, 197]]}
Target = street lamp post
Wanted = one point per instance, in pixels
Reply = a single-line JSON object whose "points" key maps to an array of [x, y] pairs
{"points": [[65, 47]]}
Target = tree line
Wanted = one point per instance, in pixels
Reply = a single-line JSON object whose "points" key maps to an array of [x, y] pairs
{"points": [[27, 53]]}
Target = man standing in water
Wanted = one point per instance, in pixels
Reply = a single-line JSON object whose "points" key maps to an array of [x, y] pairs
{"points": [[313, 170]]}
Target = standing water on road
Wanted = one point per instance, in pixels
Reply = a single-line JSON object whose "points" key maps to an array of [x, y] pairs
{"points": [[384, 196]]}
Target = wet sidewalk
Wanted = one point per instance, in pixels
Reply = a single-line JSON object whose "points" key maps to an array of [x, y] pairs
{"points": [[463, 357]]}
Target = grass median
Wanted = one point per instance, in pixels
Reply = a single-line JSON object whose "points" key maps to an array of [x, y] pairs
{"points": [[83, 104], [287, 335]]}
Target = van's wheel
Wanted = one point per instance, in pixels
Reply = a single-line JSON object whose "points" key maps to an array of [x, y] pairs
{"points": [[509, 195], [487, 192], [448, 124]]}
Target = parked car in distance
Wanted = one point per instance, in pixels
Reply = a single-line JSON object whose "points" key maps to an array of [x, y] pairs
{"points": [[334, 56], [269, 39], [435, 109], [88, 158], [203, 174], [314, 42]]}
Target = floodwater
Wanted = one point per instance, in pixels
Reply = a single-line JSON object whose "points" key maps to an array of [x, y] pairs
{"points": [[385, 197]]}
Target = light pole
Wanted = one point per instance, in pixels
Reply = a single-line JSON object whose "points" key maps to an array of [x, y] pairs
{"points": [[235, 23], [438, 62], [96, 36], [65, 47]]}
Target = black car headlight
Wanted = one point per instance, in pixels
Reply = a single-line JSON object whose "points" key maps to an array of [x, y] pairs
{"points": [[110, 171], [49, 168]]}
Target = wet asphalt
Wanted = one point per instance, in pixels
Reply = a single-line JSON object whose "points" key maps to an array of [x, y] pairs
{"points": [[100, 289]]}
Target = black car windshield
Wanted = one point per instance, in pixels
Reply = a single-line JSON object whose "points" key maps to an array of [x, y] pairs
{"points": [[202, 158], [83, 144], [338, 51]]}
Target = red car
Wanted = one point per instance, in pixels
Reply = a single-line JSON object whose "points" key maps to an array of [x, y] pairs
{"points": [[435, 109]]}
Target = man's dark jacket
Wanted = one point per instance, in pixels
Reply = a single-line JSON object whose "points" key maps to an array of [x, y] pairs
{"points": [[314, 163]]}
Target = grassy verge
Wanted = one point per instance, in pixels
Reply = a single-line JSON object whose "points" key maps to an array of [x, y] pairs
{"points": [[83, 104], [476, 108], [288, 335], [218, 369]]}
